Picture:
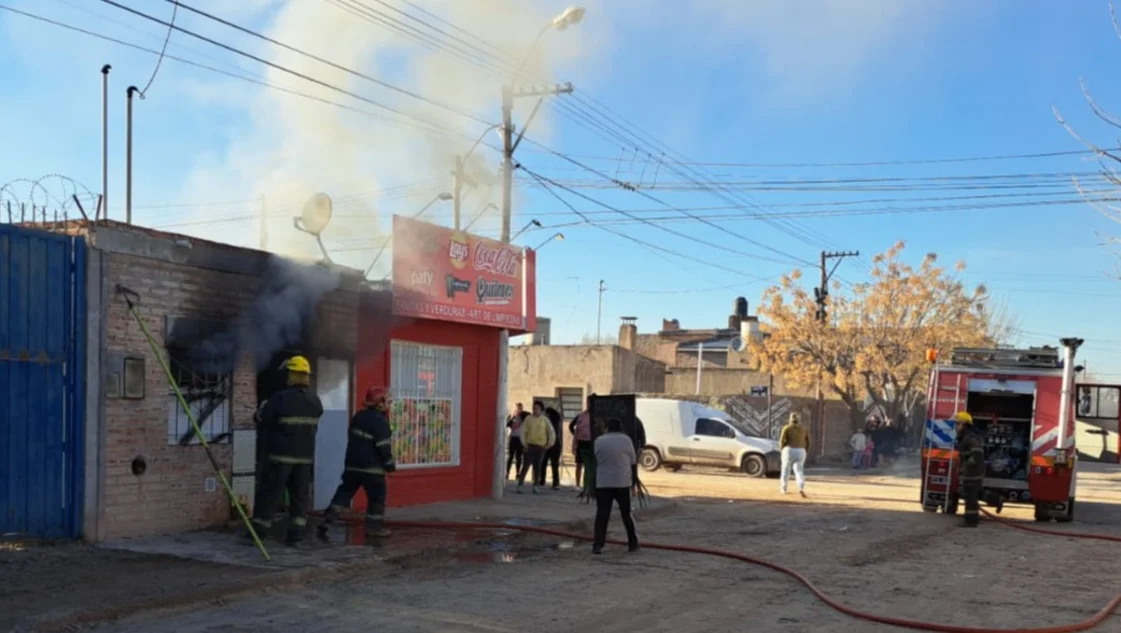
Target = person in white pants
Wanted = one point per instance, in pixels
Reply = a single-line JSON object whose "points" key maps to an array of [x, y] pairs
{"points": [[795, 444]]}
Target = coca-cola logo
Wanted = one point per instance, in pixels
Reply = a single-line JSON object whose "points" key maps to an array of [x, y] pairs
{"points": [[497, 260]]}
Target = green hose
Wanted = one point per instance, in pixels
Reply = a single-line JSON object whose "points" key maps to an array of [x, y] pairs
{"points": [[129, 295]]}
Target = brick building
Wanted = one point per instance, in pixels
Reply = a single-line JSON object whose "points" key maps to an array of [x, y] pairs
{"points": [[152, 474]]}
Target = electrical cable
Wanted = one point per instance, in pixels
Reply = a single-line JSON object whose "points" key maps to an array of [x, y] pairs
{"points": [[424, 125], [283, 68], [446, 106], [163, 51], [906, 623], [648, 245]]}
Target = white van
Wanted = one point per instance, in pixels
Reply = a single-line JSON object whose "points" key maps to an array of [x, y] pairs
{"points": [[681, 433]]}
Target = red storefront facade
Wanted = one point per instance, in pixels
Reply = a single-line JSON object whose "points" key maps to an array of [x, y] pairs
{"points": [[453, 293]]}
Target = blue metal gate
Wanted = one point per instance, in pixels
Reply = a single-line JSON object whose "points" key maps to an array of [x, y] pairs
{"points": [[42, 343]]}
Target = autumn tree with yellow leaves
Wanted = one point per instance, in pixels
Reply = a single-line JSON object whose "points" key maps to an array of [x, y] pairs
{"points": [[874, 339]]}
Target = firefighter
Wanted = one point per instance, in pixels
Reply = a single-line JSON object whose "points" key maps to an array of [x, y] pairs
{"points": [[369, 458], [971, 472], [289, 420]]}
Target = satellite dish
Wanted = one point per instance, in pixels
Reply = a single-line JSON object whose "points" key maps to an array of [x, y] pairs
{"points": [[316, 214], [738, 344]]}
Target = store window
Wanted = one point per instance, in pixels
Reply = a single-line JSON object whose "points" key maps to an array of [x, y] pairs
{"points": [[425, 384]]}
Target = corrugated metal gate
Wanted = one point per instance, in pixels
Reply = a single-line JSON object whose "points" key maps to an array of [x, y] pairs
{"points": [[42, 342]]}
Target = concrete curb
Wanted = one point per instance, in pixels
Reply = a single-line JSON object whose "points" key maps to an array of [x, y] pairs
{"points": [[271, 582]]}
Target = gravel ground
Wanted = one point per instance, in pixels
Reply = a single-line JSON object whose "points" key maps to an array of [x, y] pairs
{"points": [[861, 539]]}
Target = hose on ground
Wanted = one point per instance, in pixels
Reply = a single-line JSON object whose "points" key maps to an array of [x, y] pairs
{"points": [[915, 625], [1049, 532]]}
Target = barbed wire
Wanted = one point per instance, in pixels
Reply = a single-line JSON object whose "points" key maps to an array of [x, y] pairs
{"points": [[48, 198]]}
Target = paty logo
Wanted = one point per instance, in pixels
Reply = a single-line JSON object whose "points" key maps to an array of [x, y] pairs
{"points": [[496, 259], [458, 250]]}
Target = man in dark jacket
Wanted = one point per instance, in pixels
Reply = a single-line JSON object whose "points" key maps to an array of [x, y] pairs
{"points": [[971, 472], [289, 420], [553, 455], [369, 458]]}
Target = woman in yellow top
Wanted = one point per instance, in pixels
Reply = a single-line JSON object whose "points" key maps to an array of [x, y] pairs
{"points": [[795, 444], [538, 436]]}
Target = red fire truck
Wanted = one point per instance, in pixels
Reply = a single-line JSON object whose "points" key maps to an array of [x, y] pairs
{"points": [[1022, 401]]}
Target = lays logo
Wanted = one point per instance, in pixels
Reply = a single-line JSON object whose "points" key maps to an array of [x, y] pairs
{"points": [[458, 250]]}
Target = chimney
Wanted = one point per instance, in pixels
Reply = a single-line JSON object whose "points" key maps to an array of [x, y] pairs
{"points": [[628, 333], [670, 325], [541, 335], [749, 329]]}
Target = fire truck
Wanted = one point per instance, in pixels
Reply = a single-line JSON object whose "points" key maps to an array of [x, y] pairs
{"points": [[1022, 402]]}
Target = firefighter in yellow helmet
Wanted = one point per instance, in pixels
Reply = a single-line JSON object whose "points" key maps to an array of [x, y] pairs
{"points": [[289, 420], [971, 471]]}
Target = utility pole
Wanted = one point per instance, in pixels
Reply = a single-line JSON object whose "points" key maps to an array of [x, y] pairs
{"points": [[103, 208], [457, 188], [821, 295], [263, 226], [599, 311], [509, 143]]}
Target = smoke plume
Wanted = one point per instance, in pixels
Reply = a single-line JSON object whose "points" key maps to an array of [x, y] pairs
{"points": [[276, 319]]}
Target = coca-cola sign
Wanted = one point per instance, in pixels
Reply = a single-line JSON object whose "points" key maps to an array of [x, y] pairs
{"points": [[496, 259]]}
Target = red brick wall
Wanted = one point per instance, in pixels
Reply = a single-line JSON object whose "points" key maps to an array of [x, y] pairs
{"points": [[171, 496]]}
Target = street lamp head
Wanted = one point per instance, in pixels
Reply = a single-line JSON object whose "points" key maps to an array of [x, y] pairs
{"points": [[535, 223], [568, 17], [560, 236], [444, 196]]}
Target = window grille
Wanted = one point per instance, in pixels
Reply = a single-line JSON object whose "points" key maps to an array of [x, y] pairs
{"points": [[425, 386], [208, 394]]}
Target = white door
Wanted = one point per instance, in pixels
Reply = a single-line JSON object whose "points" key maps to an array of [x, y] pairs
{"points": [[332, 384]]}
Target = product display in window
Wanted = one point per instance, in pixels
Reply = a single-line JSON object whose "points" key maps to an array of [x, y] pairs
{"points": [[422, 431]]}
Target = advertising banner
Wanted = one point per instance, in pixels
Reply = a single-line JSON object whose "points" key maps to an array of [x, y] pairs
{"points": [[448, 275]]}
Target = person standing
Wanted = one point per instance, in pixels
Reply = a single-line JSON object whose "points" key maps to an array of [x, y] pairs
{"points": [[794, 440], [515, 449], [615, 461], [553, 455], [538, 437], [369, 458], [971, 472], [289, 419], [857, 443], [581, 428]]}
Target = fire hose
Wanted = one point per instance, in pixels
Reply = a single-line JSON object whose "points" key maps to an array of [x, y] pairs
{"points": [[906, 623]]}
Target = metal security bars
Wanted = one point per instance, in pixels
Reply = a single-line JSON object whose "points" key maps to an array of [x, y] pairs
{"points": [[426, 391]]}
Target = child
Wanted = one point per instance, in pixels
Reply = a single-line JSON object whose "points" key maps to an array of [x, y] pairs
{"points": [[869, 451], [857, 442]]}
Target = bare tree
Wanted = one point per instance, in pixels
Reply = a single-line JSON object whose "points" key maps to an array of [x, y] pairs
{"points": [[1109, 158]]}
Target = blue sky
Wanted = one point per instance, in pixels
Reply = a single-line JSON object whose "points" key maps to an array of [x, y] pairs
{"points": [[758, 90]]}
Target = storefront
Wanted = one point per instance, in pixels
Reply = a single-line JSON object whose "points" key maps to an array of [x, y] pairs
{"points": [[437, 349]]}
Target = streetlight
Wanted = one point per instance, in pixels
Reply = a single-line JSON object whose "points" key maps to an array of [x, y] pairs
{"points": [[479, 216], [440, 197], [568, 17], [443, 196], [526, 228], [556, 236]]}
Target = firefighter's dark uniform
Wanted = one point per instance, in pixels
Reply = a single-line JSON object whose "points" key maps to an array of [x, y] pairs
{"points": [[369, 457], [971, 473], [289, 419]]}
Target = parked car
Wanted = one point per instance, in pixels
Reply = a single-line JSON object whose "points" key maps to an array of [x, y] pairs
{"points": [[681, 433]]}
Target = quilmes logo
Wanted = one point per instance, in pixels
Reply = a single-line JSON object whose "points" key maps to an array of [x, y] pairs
{"points": [[493, 292], [455, 286], [458, 250], [496, 259]]}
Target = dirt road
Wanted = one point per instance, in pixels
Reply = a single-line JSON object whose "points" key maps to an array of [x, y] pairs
{"points": [[861, 539]]}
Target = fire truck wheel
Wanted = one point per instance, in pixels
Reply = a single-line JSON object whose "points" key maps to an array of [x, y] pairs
{"points": [[1042, 513], [952, 505], [1067, 516]]}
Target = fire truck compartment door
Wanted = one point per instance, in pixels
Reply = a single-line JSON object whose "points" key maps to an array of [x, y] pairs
{"points": [[986, 385]]}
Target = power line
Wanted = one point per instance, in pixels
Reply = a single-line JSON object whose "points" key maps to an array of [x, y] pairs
{"points": [[289, 71], [163, 50], [638, 241]]}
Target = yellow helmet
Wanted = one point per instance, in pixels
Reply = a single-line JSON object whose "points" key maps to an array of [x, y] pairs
{"points": [[298, 364], [961, 417]]}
